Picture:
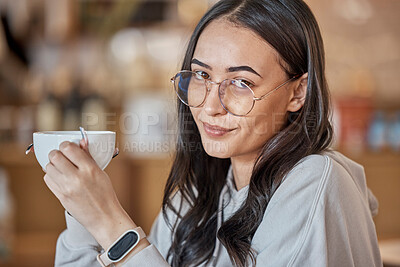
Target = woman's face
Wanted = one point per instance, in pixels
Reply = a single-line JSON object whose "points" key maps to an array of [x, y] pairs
{"points": [[226, 51]]}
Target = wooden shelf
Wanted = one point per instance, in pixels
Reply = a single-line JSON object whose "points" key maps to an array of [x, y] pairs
{"points": [[369, 157], [33, 249]]}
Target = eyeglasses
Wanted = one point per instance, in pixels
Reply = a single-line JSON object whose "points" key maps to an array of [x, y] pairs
{"points": [[236, 97]]}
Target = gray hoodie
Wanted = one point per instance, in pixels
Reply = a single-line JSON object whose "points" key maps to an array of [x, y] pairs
{"points": [[321, 215]]}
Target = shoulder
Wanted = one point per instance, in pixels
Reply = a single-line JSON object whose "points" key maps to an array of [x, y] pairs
{"points": [[304, 179], [335, 174], [316, 190], [326, 163], [320, 178], [330, 168]]}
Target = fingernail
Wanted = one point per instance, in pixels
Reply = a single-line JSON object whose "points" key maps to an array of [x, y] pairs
{"points": [[84, 135], [116, 153], [28, 149]]}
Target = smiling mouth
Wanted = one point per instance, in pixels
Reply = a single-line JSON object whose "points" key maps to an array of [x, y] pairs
{"points": [[214, 131]]}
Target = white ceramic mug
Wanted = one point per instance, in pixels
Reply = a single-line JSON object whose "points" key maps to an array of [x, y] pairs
{"points": [[101, 145]]}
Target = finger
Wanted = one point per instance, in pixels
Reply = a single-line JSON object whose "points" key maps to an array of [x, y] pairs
{"points": [[76, 155], [84, 135], [49, 181], [52, 171], [84, 145], [52, 179], [61, 163], [54, 188]]}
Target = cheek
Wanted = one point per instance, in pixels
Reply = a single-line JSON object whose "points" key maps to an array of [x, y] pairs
{"points": [[267, 120], [268, 123]]}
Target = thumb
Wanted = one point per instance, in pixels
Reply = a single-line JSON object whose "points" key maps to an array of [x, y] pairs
{"points": [[84, 145]]}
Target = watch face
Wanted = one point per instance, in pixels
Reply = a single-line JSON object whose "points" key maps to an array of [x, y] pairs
{"points": [[119, 249]]}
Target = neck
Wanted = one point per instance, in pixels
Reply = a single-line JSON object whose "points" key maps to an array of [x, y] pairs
{"points": [[242, 167]]}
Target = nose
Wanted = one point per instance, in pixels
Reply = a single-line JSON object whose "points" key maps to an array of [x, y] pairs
{"points": [[212, 105]]}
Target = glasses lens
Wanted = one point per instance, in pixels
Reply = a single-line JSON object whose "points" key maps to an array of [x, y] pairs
{"points": [[190, 88], [236, 97]]}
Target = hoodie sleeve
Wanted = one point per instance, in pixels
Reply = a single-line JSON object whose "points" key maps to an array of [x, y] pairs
{"points": [[319, 216], [77, 247], [373, 203]]}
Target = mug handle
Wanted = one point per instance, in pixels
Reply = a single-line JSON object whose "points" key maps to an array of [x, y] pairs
{"points": [[29, 149], [116, 152]]}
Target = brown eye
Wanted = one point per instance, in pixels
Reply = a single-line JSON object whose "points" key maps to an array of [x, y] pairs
{"points": [[202, 74], [249, 84]]}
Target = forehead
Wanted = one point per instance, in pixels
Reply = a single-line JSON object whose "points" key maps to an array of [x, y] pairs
{"points": [[224, 44]]}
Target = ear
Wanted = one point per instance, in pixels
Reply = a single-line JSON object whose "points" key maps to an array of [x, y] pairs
{"points": [[298, 95]]}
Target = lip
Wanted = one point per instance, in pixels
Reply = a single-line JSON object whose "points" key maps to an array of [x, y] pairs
{"points": [[214, 130]]}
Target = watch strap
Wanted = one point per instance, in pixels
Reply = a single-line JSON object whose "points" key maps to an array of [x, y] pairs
{"points": [[103, 258]]}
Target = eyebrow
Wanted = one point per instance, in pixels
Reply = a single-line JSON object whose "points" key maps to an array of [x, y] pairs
{"points": [[243, 68], [198, 62], [230, 69]]}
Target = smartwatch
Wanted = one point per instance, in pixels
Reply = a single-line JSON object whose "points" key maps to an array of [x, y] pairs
{"points": [[121, 247]]}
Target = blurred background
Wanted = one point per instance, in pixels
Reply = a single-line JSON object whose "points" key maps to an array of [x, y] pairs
{"points": [[106, 65]]}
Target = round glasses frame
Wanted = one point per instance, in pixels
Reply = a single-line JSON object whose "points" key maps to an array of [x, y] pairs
{"points": [[172, 80]]}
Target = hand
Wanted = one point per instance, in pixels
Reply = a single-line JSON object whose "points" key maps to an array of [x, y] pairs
{"points": [[86, 192]]}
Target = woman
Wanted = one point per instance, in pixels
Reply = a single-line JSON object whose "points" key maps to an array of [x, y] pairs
{"points": [[263, 188]]}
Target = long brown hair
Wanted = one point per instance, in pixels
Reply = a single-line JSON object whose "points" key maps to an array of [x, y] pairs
{"points": [[291, 29]]}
